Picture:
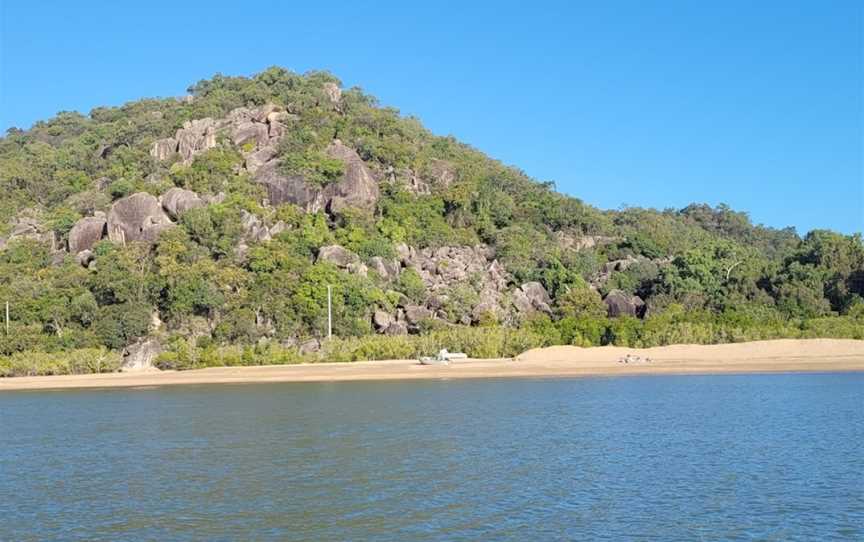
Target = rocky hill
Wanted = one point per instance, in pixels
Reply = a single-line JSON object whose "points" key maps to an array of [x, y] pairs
{"points": [[221, 217]]}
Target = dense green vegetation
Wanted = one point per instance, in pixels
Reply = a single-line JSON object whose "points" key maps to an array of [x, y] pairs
{"points": [[706, 274]]}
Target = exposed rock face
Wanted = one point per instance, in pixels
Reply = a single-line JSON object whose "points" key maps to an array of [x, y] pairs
{"points": [[386, 269], [404, 253], [244, 126], [177, 201], [309, 346], [397, 328], [333, 93], [141, 355], [603, 275], [86, 233], [214, 199], [338, 256], [357, 188], [253, 228], [257, 132], [288, 188], [163, 149], [28, 227], [260, 157], [438, 173], [619, 303], [138, 217], [250, 132], [522, 303], [408, 178], [196, 136], [414, 314], [84, 258], [472, 267], [537, 295], [442, 172], [484, 309], [619, 265], [441, 267], [584, 242], [382, 320]]}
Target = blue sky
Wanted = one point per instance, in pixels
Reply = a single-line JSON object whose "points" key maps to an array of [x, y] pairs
{"points": [[656, 104]]}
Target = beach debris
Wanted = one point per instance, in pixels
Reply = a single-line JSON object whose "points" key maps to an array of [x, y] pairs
{"points": [[634, 359]]}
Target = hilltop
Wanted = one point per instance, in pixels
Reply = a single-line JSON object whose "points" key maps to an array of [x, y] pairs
{"points": [[205, 230]]}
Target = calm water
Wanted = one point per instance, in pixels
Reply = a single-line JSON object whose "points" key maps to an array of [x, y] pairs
{"points": [[659, 458]]}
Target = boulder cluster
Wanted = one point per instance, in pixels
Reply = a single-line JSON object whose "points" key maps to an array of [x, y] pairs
{"points": [[357, 187], [138, 217], [441, 270], [251, 129], [256, 132], [29, 227]]}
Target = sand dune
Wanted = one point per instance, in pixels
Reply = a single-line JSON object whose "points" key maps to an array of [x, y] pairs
{"points": [[812, 355]]}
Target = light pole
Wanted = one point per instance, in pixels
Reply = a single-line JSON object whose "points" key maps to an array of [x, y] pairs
{"points": [[329, 312]]}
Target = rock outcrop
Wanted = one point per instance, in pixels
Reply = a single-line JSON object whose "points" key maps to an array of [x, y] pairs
{"points": [[253, 228], [141, 355], [382, 320], [339, 256], [416, 314], [250, 129], [29, 227], [532, 297], [445, 268], [256, 132], [84, 258], [257, 159], [333, 93], [282, 188], [386, 269], [357, 187], [195, 137], [163, 149], [398, 327], [177, 201], [86, 233], [138, 217], [436, 174], [441, 173], [619, 303], [570, 241]]}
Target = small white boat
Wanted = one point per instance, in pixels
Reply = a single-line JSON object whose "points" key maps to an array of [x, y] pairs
{"points": [[443, 358]]}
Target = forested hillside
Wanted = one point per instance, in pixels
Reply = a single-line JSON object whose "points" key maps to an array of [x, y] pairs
{"points": [[205, 230]]}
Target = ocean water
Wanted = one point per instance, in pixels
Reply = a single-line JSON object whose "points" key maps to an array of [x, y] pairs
{"points": [[759, 457]]}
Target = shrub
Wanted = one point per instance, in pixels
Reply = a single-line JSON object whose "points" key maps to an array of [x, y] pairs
{"points": [[82, 361], [118, 325]]}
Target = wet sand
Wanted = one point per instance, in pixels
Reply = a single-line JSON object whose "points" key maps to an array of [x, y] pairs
{"points": [[811, 355]]}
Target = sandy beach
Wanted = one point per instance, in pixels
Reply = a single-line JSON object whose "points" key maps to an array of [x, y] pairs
{"points": [[812, 355]]}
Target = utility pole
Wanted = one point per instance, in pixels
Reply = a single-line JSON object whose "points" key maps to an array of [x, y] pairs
{"points": [[329, 313], [7, 318]]}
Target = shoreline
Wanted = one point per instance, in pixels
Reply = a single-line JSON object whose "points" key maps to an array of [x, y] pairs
{"points": [[776, 356]]}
